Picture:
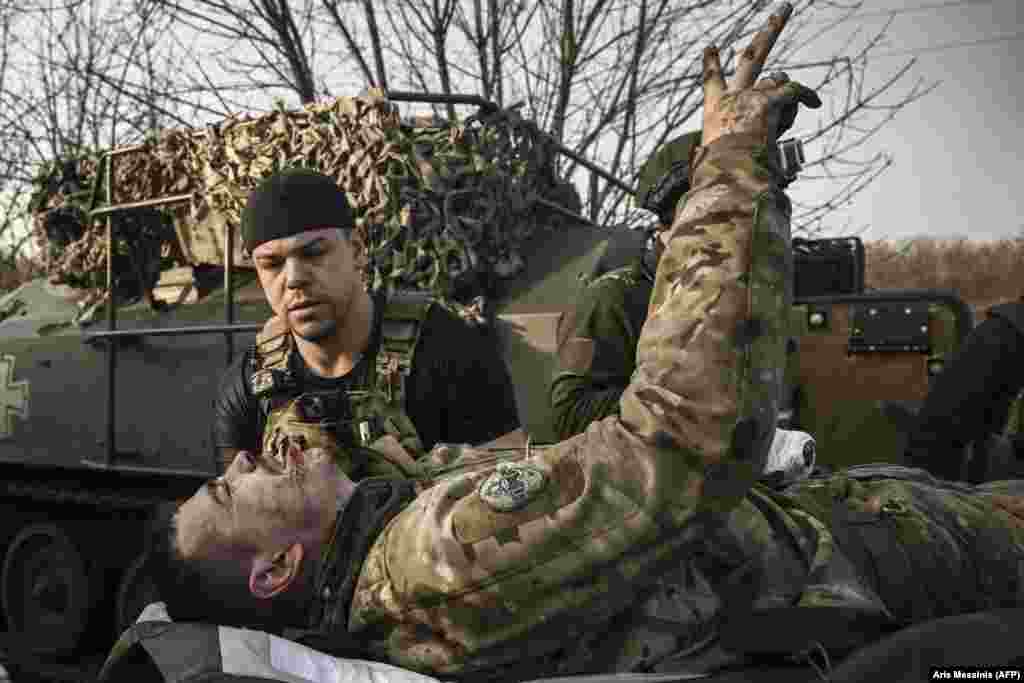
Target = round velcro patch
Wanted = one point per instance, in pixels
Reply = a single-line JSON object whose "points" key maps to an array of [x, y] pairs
{"points": [[511, 486]]}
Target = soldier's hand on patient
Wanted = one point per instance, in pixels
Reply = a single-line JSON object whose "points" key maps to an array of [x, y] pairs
{"points": [[1014, 505], [389, 447], [763, 110]]}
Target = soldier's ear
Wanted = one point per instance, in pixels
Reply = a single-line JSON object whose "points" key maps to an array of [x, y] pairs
{"points": [[273, 574]]}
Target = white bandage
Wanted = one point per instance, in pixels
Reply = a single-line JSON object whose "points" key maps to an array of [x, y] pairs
{"points": [[793, 453]]}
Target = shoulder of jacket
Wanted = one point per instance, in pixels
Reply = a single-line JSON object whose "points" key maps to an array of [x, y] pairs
{"points": [[628, 276]]}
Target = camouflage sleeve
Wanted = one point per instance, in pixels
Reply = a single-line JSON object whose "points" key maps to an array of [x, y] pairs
{"points": [[459, 581], [712, 355], [596, 359]]}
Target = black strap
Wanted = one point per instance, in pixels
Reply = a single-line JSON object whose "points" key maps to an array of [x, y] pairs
{"points": [[870, 542], [375, 501], [662, 198], [1012, 312]]}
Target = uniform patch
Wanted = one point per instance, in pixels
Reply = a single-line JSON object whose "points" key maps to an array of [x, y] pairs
{"points": [[577, 354], [262, 381], [511, 486]]}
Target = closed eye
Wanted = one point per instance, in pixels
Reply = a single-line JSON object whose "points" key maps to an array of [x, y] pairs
{"points": [[219, 490], [269, 263]]}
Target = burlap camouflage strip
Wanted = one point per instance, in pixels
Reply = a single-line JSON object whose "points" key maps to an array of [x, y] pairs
{"points": [[427, 199]]}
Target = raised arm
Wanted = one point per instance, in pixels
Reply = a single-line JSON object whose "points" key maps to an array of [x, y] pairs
{"points": [[711, 356], [487, 560]]}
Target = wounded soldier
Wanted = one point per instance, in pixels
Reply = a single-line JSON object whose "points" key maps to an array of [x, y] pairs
{"points": [[642, 541]]}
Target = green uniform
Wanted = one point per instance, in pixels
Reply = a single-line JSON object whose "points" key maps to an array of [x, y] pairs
{"points": [[598, 354], [490, 568], [598, 339]]}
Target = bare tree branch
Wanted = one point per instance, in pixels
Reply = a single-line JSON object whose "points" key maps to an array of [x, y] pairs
{"points": [[610, 79]]}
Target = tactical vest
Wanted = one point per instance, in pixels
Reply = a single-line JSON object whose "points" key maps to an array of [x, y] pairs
{"points": [[345, 422]]}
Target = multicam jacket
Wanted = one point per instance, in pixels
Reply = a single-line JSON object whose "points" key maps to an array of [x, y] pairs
{"points": [[538, 566]]}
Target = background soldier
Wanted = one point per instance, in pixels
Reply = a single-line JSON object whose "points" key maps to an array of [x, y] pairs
{"points": [[598, 339], [340, 369], [969, 404]]}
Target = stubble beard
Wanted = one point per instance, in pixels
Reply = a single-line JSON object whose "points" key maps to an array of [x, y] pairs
{"points": [[319, 331]]}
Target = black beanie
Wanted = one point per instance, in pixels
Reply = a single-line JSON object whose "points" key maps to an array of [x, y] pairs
{"points": [[292, 201]]}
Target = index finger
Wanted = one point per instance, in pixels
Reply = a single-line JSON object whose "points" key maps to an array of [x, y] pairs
{"points": [[753, 58], [714, 84]]}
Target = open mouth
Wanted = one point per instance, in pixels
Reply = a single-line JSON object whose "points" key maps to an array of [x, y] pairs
{"points": [[287, 457], [272, 461]]}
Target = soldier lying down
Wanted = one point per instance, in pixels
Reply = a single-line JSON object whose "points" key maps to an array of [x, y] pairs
{"points": [[578, 557]]}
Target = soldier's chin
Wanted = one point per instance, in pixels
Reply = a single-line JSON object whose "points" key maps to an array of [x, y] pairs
{"points": [[315, 330]]}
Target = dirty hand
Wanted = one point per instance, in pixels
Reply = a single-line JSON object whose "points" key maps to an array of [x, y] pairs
{"points": [[763, 110], [1013, 505]]}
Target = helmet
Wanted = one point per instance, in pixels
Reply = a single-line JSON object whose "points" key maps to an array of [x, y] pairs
{"points": [[665, 176]]}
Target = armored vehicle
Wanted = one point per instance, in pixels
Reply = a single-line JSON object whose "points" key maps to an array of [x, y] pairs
{"points": [[107, 391]]}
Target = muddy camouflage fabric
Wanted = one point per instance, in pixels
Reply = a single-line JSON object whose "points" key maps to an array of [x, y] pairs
{"points": [[598, 355], [454, 587], [443, 209]]}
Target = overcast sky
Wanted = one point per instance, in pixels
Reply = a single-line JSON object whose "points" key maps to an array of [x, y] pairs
{"points": [[959, 152]]}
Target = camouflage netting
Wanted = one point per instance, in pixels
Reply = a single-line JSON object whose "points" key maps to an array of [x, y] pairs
{"points": [[440, 207]]}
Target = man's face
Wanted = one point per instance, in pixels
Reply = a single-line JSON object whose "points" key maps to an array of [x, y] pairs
{"points": [[263, 504], [310, 280]]}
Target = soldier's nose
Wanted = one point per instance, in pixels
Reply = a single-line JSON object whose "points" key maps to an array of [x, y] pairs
{"points": [[296, 275]]}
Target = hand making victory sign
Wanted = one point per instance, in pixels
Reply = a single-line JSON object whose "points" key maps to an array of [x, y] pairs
{"points": [[763, 110]]}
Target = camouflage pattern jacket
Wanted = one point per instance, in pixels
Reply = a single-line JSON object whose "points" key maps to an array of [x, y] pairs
{"points": [[554, 561]]}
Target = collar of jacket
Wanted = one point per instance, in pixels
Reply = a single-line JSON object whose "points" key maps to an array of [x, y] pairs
{"points": [[374, 502]]}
